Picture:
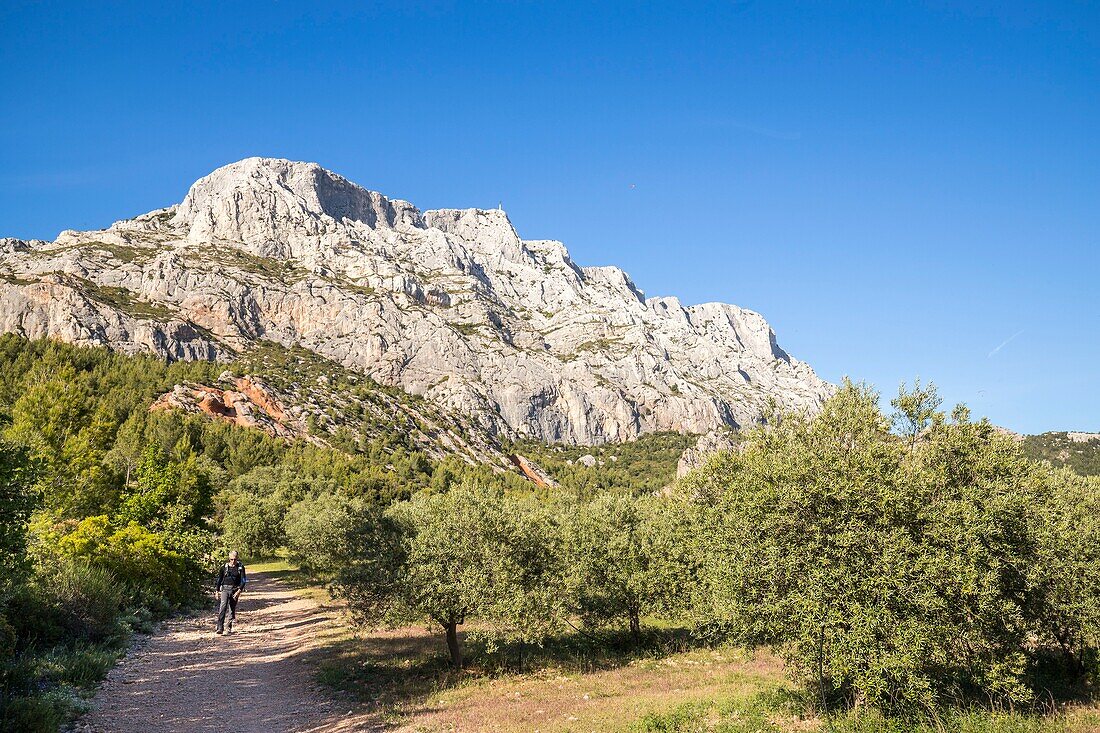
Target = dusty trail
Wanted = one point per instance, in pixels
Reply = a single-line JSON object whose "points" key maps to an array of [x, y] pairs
{"points": [[185, 679]]}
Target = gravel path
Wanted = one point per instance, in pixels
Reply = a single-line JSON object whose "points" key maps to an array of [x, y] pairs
{"points": [[186, 679]]}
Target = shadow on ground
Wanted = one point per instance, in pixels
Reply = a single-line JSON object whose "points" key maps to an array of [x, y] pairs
{"points": [[400, 669]]}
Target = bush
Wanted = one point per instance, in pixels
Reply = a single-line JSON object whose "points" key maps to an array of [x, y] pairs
{"points": [[16, 501], [157, 568], [40, 714], [70, 600]]}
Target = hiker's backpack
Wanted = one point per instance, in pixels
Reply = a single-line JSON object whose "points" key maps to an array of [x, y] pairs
{"points": [[235, 576]]}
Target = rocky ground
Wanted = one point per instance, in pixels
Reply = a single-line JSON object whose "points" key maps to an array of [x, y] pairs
{"points": [[185, 679]]}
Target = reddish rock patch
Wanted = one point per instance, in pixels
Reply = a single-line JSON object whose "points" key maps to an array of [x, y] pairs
{"points": [[250, 404]]}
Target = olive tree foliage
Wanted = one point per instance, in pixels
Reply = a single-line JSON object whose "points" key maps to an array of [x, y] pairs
{"points": [[888, 571], [327, 533], [915, 409], [1067, 573], [626, 557], [470, 553]]}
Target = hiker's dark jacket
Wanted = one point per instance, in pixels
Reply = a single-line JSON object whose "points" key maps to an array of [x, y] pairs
{"points": [[232, 576]]}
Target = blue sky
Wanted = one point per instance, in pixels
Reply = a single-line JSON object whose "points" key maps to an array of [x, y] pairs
{"points": [[902, 189]]}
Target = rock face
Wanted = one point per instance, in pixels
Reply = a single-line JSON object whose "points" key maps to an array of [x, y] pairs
{"points": [[709, 443], [244, 402], [448, 304]]}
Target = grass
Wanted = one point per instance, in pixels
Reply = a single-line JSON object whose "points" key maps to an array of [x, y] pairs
{"points": [[571, 683], [349, 286], [56, 685], [290, 575], [402, 675], [770, 710], [1068, 720], [124, 252], [14, 279], [466, 329]]}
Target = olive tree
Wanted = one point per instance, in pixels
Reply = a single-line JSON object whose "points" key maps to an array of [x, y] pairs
{"points": [[887, 571], [1067, 574], [625, 557], [470, 553]]}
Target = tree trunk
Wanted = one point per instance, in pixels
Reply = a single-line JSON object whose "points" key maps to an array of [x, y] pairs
{"points": [[635, 624], [452, 644]]}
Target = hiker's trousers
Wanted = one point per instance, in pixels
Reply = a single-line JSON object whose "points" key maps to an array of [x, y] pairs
{"points": [[227, 604]]}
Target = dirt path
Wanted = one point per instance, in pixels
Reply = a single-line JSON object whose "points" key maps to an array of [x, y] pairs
{"points": [[185, 679]]}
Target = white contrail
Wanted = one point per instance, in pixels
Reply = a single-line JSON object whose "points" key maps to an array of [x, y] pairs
{"points": [[1004, 343]]}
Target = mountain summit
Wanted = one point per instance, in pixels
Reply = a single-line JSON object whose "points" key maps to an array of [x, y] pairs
{"points": [[449, 304]]}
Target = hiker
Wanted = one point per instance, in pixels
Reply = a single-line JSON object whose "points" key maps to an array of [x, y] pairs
{"points": [[231, 581]]}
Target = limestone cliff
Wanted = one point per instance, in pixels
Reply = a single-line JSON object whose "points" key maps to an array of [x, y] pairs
{"points": [[449, 304]]}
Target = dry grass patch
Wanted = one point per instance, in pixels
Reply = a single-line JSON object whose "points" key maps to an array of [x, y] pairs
{"points": [[402, 674], [403, 682]]}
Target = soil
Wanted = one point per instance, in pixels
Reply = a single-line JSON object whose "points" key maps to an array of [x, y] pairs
{"points": [[186, 679]]}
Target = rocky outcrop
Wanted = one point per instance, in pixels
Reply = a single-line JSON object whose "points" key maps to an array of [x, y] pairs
{"points": [[450, 304], [248, 404], [714, 441], [533, 471]]}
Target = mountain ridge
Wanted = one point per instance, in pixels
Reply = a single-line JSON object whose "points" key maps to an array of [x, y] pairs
{"points": [[450, 304]]}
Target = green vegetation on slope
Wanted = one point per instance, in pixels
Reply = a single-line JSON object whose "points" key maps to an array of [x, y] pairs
{"points": [[903, 574], [647, 464], [1083, 456]]}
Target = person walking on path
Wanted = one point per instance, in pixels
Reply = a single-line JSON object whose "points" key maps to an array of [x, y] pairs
{"points": [[231, 581]]}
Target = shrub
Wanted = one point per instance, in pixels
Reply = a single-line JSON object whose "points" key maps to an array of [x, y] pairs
{"points": [[16, 502], [70, 600], [156, 567], [38, 714]]}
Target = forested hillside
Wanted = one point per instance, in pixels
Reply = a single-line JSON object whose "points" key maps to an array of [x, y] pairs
{"points": [[647, 463]]}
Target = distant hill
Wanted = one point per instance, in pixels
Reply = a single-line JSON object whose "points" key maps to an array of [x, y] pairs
{"points": [[1078, 451]]}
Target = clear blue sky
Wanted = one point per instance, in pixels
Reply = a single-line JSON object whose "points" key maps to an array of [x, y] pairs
{"points": [[902, 189]]}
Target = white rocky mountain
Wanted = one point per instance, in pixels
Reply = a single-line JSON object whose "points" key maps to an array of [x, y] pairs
{"points": [[449, 304]]}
